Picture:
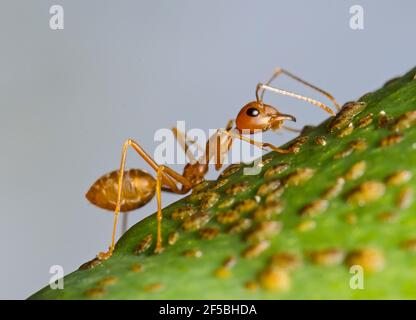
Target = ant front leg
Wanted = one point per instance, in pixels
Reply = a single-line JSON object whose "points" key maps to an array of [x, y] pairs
{"points": [[165, 176], [291, 129], [262, 145]]}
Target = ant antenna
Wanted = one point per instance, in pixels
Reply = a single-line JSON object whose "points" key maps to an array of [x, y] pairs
{"points": [[263, 87], [280, 71]]}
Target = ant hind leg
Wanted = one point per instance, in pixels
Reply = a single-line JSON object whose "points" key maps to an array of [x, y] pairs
{"points": [[166, 176]]}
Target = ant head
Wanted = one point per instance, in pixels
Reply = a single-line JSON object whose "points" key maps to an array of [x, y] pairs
{"points": [[258, 116]]}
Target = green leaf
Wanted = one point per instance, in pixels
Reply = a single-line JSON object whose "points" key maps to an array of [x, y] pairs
{"points": [[345, 199]]}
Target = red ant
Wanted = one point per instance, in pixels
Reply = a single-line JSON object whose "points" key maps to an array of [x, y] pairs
{"points": [[123, 191]]}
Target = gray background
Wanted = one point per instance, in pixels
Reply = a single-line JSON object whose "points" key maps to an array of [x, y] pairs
{"points": [[126, 68]]}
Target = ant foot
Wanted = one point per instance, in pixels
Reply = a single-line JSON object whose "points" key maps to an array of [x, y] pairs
{"points": [[159, 249], [105, 255], [293, 150]]}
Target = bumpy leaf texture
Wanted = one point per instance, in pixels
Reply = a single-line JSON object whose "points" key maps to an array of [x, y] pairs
{"points": [[337, 219]]}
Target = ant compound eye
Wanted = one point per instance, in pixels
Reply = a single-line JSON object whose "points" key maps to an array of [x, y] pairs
{"points": [[252, 112]]}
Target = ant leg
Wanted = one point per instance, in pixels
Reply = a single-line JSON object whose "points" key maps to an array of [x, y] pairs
{"points": [[229, 125], [159, 247], [262, 145], [223, 147], [291, 129], [217, 148], [321, 105], [218, 145], [280, 71], [181, 137], [159, 181], [168, 176]]}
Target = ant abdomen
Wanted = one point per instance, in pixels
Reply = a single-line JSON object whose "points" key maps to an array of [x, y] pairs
{"points": [[138, 189]]}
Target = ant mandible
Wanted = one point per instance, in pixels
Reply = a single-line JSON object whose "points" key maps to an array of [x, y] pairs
{"points": [[123, 191]]}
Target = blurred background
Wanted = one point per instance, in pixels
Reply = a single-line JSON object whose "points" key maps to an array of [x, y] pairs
{"points": [[120, 69]]}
